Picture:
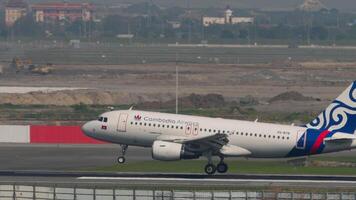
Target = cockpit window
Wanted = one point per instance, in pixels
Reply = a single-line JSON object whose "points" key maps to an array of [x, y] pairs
{"points": [[103, 119]]}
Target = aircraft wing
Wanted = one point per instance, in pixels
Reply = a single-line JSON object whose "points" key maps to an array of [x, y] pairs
{"points": [[218, 143], [217, 140]]}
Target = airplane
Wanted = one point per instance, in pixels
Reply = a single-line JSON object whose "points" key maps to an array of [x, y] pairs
{"points": [[176, 136]]}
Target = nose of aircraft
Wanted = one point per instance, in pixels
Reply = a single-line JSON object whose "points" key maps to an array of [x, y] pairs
{"points": [[87, 128]]}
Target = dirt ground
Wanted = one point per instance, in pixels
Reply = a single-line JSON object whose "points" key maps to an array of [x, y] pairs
{"points": [[128, 84]]}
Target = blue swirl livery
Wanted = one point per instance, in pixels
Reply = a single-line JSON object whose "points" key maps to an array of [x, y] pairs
{"points": [[333, 129]]}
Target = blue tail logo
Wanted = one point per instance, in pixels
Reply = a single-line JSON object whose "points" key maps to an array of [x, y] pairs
{"points": [[338, 117]]}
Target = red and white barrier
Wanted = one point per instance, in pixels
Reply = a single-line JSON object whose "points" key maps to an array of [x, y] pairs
{"points": [[37, 134], [60, 135], [14, 134]]}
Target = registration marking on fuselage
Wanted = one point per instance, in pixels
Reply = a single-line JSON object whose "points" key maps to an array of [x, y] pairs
{"points": [[215, 180]]}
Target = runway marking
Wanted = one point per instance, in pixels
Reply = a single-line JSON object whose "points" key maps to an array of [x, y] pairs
{"points": [[214, 180]]}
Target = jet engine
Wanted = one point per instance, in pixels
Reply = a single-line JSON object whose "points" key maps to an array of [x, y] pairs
{"points": [[170, 151]]}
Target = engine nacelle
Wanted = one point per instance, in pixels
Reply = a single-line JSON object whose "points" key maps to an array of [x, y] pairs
{"points": [[170, 151]]}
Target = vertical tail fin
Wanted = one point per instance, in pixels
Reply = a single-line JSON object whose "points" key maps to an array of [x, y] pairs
{"points": [[340, 115]]}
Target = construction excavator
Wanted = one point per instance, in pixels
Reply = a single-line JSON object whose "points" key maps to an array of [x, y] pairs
{"points": [[23, 65]]}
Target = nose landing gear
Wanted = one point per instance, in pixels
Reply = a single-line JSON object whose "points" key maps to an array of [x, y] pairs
{"points": [[121, 159]]}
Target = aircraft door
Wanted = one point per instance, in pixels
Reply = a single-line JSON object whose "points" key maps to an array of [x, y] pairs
{"points": [[188, 129], [301, 139], [195, 129], [121, 126]]}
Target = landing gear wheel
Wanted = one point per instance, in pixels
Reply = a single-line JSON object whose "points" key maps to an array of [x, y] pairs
{"points": [[222, 167], [121, 159], [210, 169]]}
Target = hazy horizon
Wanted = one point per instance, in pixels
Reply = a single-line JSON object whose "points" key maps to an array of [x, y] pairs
{"points": [[344, 5]]}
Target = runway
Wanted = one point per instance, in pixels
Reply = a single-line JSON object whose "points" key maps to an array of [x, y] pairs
{"points": [[75, 157], [64, 157], [62, 165], [97, 179]]}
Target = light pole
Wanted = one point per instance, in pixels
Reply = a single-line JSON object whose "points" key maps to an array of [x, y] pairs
{"points": [[177, 82]]}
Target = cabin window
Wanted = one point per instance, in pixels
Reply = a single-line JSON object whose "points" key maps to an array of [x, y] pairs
{"points": [[154, 125], [158, 125], [149, 124], [274, 137], [135, 123], [105, 119], [278, 137], [176, 127], [246, 134], [209, 130], [145, 124], [259, 135], [181, 127], [131, 123], [201, 129], [140, 123]]}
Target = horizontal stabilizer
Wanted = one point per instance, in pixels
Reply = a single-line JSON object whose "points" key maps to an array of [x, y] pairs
{"points": [[340, 137]]}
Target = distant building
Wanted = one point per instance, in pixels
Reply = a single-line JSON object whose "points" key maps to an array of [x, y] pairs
{"points": [[14, 10], [227, 19], [51, 12], [311, 5], [175, 24]]}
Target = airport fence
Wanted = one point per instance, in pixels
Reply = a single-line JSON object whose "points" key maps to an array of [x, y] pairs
{"points": [[24, 192]]}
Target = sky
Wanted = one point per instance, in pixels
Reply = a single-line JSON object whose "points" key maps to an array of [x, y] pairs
{"points": [[345, 5]]}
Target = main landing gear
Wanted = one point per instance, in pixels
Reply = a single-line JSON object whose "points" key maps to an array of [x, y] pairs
{"points": [[210, 168], [121, 159]]}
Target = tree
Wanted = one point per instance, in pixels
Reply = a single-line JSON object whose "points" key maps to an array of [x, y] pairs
{"points": [[27, 27], [2, 24], [114, 24], [227, 34], [243, 34], [319, 32]]}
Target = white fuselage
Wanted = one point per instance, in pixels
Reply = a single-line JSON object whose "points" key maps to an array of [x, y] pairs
{"points": [[141, 128]]}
